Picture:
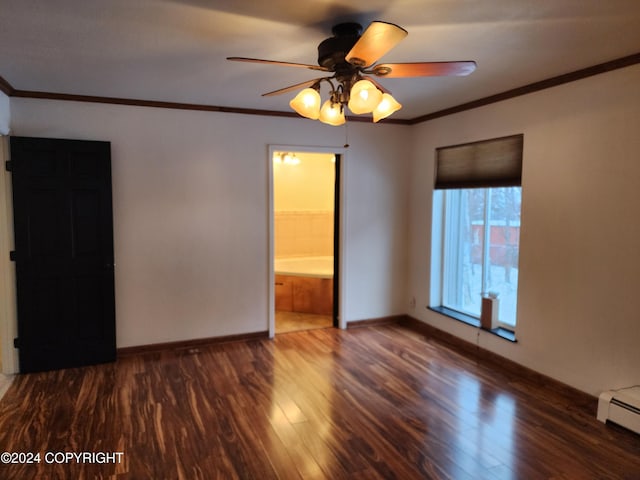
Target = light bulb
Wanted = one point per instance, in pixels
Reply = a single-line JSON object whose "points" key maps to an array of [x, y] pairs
{"points": [[291, 159], [386, 107], [307, 103], [364, 97], [332, 114]]}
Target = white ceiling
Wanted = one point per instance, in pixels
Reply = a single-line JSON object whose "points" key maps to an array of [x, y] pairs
{"points": [[175, 50]]}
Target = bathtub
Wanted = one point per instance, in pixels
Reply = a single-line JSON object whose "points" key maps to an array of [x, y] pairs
{"points": [[318, 267], [304, 285]]}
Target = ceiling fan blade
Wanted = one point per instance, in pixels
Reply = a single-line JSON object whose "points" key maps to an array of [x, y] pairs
{"points": [[290, 88], [281, 64], [423, 69], [377, 39]]}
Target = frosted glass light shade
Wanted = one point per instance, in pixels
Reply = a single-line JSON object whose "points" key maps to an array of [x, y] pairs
{"points": [[386, 107], [332, 114], [364, 97], [307, 103]]}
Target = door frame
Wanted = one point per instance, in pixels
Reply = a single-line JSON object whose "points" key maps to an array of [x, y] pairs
{"points": [[340, 274], [8, 308]]}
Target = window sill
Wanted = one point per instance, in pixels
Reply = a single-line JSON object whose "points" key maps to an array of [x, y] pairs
{"points": [[474, 322]]}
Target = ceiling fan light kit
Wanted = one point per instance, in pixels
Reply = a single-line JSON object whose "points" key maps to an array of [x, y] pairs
{"points": [[351, 57], [386, 107], [307, 103], [364, 97], [332, 113]]}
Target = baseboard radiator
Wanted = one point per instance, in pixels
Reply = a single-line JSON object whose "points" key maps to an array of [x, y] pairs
{"points": [[621, 407]]}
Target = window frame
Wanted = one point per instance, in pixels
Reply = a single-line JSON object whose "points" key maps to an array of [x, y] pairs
{"points": [[483, 164]]}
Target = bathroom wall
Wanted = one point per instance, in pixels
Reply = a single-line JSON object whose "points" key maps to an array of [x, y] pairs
{"points": [[304, 205]]}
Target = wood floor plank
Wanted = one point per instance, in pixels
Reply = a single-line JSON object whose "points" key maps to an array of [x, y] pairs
{"points": [[377, 402]]}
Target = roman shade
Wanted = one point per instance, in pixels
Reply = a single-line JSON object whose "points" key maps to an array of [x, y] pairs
{"points": [[487, 163]]}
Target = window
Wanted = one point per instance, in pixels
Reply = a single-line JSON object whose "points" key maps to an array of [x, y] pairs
{"points": [[476, 229], [480, 249]]}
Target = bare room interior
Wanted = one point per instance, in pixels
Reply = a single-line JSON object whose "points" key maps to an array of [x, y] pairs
{"points": [[319, 240]]}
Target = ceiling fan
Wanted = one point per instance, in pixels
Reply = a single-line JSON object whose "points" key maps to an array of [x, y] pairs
{"points": [[350, 57]]}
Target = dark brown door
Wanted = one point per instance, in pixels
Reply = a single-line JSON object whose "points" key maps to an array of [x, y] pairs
{"points": [[64, 252]]}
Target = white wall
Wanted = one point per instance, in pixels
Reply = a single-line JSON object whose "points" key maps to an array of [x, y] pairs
{"points": [[5, 114], [579, 283], [190, 194]]}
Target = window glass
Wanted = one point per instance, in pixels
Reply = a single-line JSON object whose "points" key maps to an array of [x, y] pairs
{"points": [[480, 249]]}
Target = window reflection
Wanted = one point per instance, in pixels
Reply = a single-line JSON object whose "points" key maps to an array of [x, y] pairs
{"points": [[485, 433]]}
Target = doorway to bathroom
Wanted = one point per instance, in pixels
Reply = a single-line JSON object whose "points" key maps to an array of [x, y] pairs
{"points": [[305, 226]]}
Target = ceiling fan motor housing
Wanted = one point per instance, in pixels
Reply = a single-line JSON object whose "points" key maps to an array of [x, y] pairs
{"points": [[331, 52]]}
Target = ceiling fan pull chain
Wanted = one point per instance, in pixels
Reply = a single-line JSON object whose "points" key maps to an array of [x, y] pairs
{"points": [[346, 135]]}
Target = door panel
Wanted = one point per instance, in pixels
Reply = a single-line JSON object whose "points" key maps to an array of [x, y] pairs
{"points": [[64, 252]]}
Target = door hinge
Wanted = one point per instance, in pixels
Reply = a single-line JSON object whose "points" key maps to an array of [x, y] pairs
{"points": [[16, 342], [8, 166], [12, 255]]}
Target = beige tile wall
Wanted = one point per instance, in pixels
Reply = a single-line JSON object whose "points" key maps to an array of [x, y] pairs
{"points": [[303, 233]]}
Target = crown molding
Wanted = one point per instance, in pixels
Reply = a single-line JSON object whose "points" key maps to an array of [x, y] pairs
{"points": [[171, 105], [534, 87], [6, 88], [69, 97], [616, 64]]}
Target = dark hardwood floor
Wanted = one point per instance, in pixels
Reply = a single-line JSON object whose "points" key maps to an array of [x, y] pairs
{"points": [[378, 402]]}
